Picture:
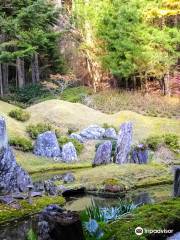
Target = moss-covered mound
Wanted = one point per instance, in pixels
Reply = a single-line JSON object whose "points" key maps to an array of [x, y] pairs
{"points": [[165, 215], [8, 213]]}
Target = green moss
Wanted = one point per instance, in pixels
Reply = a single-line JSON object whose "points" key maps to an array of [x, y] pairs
{"points": [[8, 213], [165, 215], [75, 94]]}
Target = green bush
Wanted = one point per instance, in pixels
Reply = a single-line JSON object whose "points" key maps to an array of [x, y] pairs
{"points": [[21, 143], [29, 93], [106, 126], [19, 115], [75, 94], [64, 139], [72, 130], [170, 140], [35, 130]]}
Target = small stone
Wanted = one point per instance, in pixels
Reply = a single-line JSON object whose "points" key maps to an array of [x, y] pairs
{"points": [[68, 177], [69, 153], [8, 199], [77, 137], [93, 132], [177, 182], [110, 133]]}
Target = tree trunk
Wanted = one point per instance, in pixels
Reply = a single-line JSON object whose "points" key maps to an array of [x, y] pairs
{"points": [[35, 69], [1, 81], [5, 77], [20, 72], [134, 82]]}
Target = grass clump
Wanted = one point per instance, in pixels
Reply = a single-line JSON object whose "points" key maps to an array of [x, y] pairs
{"points": [[169, 139], [75, 94], [35, 130], [8, 213], [20, 115], [78, 146], [164, 215], [21, 143]]}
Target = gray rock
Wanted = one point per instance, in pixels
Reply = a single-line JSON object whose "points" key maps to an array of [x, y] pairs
{"points": [[12, 177], [103, 154], [68, 177], [36, 194], [50, 188], [69, 153], [110, 133], [77, 137], [19, 195], [8, 199], [3, 134], [123, 143], [93, 132], [47, 145], [139, 154], [177, 182]]}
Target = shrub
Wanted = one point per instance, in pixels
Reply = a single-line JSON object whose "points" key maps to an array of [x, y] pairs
{"points": [[75, 94], [153, 142], [171, 140], [64, 139], [19, 115], [21, 143], [106, 126], [35, 130], [29, 93], [72, 130]]}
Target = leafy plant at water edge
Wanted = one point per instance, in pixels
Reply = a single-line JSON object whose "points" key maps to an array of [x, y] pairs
{"points": [[108, 214], [31, 235], [92, 228]]}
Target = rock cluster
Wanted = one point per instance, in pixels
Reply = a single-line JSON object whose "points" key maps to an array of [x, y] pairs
{"points": [[139, 154], [92, 132]]}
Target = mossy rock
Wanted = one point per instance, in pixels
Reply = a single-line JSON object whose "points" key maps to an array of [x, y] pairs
{"points": [[164, 215], [8, 213]]}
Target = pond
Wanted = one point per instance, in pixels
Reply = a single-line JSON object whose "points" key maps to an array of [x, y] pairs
{"points": [[19, 230]]}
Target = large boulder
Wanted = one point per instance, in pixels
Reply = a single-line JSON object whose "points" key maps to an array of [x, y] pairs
{"points": [[69, 153], [139, 154], [77, 137], [12, 177], [103, 154], [47, 145], [110, 133], [177, 182], [92, 132], [124, 143]]}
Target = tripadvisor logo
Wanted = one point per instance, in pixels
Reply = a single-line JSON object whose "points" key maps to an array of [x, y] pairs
{"points": [[139, 231]]}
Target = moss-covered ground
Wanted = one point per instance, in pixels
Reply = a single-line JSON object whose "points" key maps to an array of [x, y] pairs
{"points": [[8, 213], [161, 216]]}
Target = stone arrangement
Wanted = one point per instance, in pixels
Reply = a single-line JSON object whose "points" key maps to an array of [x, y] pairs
{"points": [[12, 177], [139, 154]]}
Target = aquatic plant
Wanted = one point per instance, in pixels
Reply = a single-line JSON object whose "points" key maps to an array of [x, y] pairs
{"points": [[31, 235], [93, 229]]}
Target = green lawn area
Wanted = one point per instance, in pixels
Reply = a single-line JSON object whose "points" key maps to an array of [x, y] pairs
{"points": [[165, 215], [128, 176]]}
